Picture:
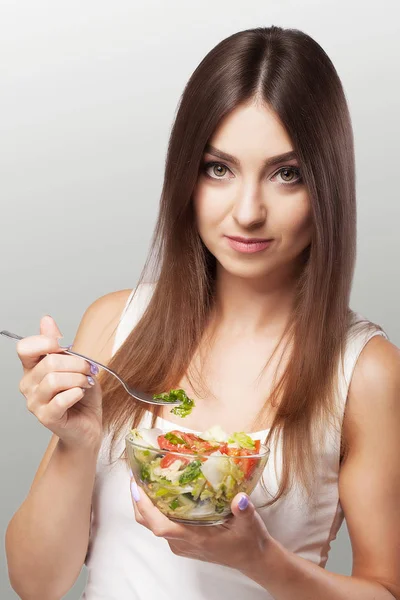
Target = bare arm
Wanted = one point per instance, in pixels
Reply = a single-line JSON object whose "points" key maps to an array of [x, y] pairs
{"points": [[47, 538], [369, 488]]}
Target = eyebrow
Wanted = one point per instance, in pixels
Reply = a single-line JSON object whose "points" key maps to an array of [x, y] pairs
{"points": [[269, 162]]}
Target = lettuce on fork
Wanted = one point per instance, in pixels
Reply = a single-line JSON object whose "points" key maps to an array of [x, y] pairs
{"points": [[183, 409]]}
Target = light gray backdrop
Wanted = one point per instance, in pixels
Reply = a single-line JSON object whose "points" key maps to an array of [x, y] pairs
{"points": [[88, 92]]}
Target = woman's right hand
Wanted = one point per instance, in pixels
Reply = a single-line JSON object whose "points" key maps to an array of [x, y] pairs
{"points": [[53, 385]]}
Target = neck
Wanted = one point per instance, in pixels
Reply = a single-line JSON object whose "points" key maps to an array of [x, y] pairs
{"points": [[250, 307]]}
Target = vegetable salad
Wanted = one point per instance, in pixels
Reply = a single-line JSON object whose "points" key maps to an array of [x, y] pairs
{"points": [[195, 477]]}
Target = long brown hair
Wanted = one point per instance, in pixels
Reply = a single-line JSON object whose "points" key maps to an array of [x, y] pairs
{"points": [[289, 71]]}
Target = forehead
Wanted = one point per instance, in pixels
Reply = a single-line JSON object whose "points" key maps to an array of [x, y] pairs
{"points": [[251, 131]]}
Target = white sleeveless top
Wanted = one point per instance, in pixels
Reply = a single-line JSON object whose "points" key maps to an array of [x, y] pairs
{"points": [[126, 561]]}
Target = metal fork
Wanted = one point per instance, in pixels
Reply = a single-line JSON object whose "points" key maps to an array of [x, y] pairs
{"points": [[138, 395]]}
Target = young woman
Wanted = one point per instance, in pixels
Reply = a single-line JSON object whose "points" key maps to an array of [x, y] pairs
{"points": [[248, 311]]}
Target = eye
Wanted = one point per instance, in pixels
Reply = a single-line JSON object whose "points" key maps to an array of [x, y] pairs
{"points": [[284, 171], [219, 169]]}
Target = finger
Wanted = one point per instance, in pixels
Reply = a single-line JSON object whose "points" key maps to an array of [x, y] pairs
{"points": [[54, 386], [49, 327], [242, 507], [33, 348], [138, 516], [135, 498], [150, 516], [54, 412], [55, 381], [53, 363]]}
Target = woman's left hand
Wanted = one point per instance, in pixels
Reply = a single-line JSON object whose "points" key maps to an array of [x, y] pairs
{"points": [[238, 543]]}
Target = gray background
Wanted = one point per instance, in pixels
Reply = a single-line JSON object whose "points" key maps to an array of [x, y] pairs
{"points": [[88, 92]]}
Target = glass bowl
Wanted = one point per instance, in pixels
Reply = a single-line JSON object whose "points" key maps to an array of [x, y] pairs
{"points": [[195, 489]]}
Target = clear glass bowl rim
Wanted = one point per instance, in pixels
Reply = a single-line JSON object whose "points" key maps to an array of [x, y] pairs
{"points": [[128, 438]]}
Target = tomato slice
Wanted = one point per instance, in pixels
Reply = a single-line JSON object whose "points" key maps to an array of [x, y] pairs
{"points": [[191, 443], [197, 444], [167, 445], [247, 465], [223, 448], [189, 438], [169, 459]]}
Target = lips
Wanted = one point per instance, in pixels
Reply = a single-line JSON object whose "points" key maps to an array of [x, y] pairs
{"points": [[249, 245], [248, 240]]}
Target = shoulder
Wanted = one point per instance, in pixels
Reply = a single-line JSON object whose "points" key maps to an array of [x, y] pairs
{"points": [[107, 307], [96, 330], [112, 301], [101, 319], [377, 368], [374, 391]]}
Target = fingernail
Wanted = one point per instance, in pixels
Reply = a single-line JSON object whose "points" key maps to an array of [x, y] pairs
{"points": [[63, 347], [94, 369], [130, 473], [90, 380], [243, 503], [135, 491]]}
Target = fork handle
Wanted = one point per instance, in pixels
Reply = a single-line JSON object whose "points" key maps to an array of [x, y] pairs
{"points": [[11, 335]]}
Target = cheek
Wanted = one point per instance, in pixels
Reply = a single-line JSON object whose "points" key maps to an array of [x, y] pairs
{"points": [[295, 219], [208, 210]]}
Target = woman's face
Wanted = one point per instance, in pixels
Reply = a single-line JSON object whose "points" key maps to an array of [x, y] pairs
{"points": [[242, 196]]}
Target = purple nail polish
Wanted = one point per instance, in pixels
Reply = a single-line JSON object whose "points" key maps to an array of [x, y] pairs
{"points": [[135, 491], [243, 503], [130, 473], [63, 347], [94, 369]]}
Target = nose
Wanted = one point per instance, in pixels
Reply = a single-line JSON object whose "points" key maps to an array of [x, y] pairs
{"points": [[249, 209]]}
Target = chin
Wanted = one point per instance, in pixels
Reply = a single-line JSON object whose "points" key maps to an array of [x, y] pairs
{"points": [[244, 269]]}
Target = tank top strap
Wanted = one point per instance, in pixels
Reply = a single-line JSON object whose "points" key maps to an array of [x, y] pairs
{"points": [[357, 338], [132, 312]]}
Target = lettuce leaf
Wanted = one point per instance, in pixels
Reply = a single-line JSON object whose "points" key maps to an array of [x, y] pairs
{"points": [[183, 409], [191, 472], [244, 440], [174, 439]]}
